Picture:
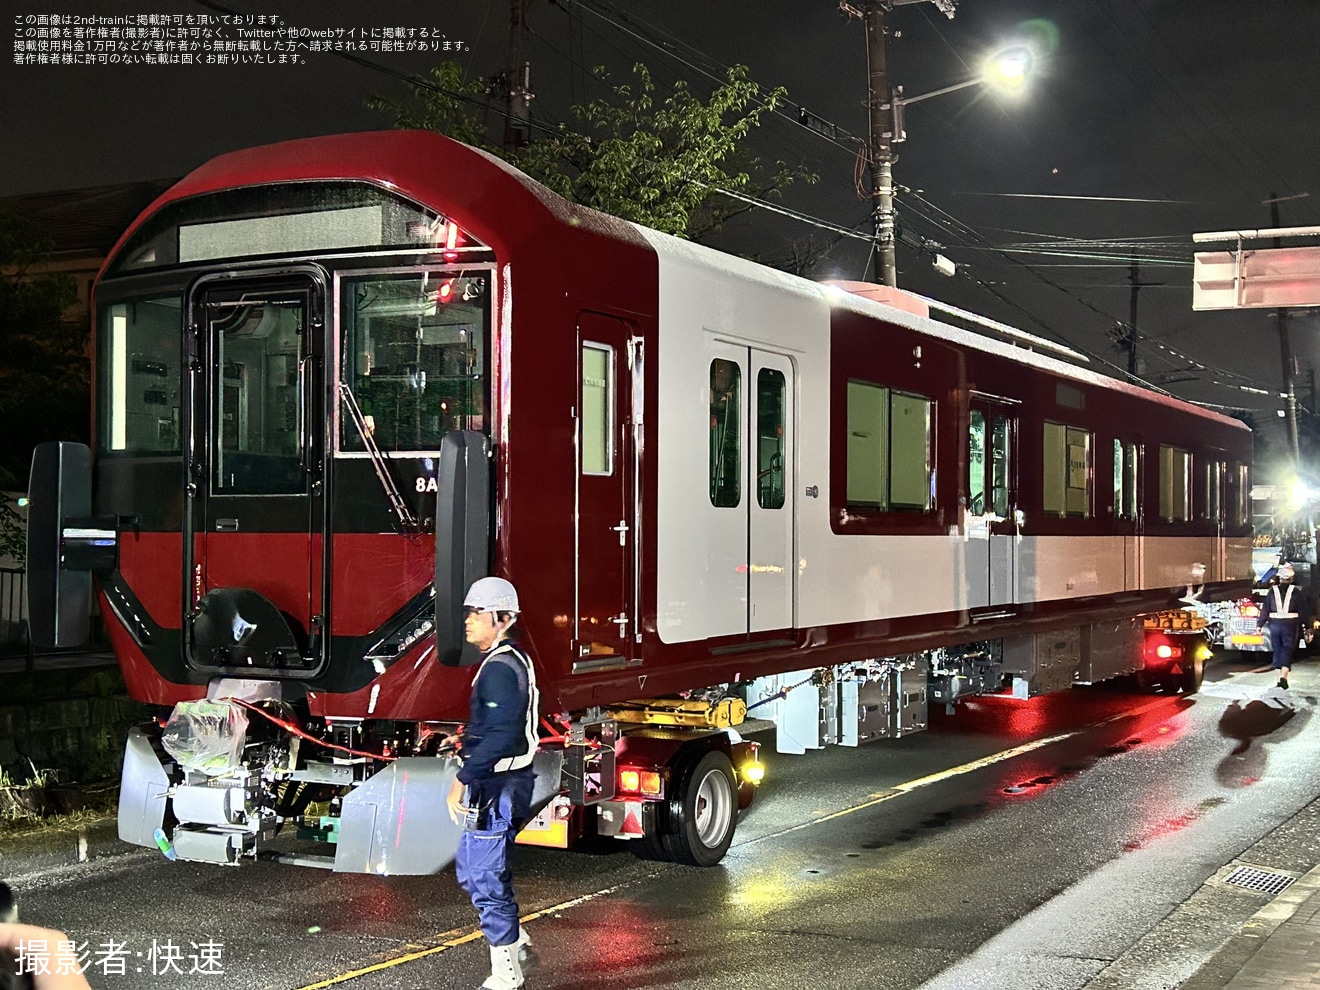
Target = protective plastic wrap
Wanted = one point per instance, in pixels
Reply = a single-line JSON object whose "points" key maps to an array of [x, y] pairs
{"points": [[206, 736]]}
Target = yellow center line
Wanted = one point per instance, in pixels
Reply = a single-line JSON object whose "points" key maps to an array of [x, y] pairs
{"points": [[879, 798], [469, 936], [900, 789]]}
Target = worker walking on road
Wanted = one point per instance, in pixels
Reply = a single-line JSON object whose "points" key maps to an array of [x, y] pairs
{"points": [[492, 794], [1289, 614]]}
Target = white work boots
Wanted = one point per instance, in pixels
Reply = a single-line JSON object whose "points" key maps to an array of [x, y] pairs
{"points": [[506, 963]]}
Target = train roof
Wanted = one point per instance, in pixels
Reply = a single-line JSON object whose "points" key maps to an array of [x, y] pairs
{"points": [[507, 209], [698, 255]]}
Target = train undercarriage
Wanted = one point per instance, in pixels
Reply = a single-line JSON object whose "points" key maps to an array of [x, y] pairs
{"points": [[244, 775]]}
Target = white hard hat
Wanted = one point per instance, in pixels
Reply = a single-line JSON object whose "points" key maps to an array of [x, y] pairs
{"points": [[492, 594], [1285, 572]]}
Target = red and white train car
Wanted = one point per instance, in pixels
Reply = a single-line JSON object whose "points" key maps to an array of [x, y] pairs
{"points": [[338, 379]]}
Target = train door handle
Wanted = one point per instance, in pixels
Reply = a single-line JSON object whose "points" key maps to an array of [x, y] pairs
{"points": [[622, 530], [620, 620], [226, 525]]}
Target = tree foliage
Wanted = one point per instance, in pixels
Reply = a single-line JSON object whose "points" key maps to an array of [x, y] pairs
{"points": [[441, 100], [665, 162], [44, 366]]}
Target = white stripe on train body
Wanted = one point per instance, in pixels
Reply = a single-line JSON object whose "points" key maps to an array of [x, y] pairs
{"points": [[713, 305]]}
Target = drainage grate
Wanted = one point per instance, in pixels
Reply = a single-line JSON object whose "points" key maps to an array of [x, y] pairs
{"points": [[1264, 881]]}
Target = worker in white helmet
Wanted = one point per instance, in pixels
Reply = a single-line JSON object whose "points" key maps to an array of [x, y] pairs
{"points": [[1288, 614], [491, 797]]}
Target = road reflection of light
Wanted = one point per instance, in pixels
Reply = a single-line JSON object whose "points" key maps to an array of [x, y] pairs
{"points": [[634, 940], [1150, 730], [1155, 822], [761, 894]]}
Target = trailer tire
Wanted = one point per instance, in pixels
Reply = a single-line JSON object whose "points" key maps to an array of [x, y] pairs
{"points": [[1192, 676], [704, 813]]}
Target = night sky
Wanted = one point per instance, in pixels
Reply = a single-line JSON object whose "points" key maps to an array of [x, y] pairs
{"points": [[1205, 107]]}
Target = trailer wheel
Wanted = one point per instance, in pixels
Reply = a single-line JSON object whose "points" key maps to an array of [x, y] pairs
{"points": [[1192, 676], [706, 812]]}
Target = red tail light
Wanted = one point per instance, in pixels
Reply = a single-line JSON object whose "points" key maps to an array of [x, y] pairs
{"points": [[647, 783]]}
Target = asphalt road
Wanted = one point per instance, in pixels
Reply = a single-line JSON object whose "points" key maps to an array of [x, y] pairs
{"points": [[1057, 843]]}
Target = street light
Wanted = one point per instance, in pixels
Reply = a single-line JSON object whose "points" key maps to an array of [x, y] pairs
{"points": [[1006, 71]]}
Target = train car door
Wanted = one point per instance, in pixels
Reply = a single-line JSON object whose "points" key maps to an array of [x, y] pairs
{"points": [[608, 516], [255, 425], [770, 562], [992, 516], [1128, 459], [751, 547]]}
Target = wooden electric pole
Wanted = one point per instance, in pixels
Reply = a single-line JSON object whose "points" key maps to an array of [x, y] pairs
{"points": [[1286, 357], [517, 82]]}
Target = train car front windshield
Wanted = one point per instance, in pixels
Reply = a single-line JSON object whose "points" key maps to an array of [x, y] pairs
{"points": [[277, 369]]}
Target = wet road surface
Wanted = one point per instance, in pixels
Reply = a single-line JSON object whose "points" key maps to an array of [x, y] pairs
{"points": [[1046, 843]]}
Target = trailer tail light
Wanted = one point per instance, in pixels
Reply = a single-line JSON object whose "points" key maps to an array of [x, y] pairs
{"points": [[1162, 650], [647, 783]]}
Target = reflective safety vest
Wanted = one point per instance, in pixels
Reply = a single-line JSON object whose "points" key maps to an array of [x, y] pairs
{"points": [[1282, 603], [521, 664]]}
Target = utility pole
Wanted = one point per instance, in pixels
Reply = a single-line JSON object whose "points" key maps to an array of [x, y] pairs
{"points": [[1132, 335], [885, 119], [879, 103], [1286, 357], [1134, 279], [517, 82]]}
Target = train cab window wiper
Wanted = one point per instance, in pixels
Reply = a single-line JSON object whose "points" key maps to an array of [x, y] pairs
{"points": [[407, 519]]}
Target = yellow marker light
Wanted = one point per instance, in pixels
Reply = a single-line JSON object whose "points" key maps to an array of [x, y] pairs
{"points": [[650, 783], [754, 773]]}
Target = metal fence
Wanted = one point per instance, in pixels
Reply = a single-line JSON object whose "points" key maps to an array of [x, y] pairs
{"points": [[14, 638]]}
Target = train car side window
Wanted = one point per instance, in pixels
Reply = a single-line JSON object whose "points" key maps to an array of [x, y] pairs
{"points": [[597, 409], [1001, 457], [1125, 480], [1214, 472], [1119, 479], [1067, 471], [1175, 484], [139, 392], [889, 441], [725, 442], [976, 464], [1240, 486], [770, 438]]}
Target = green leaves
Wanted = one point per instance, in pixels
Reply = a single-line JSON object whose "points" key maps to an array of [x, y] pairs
{"points": [[664, 161], [443, 100]]}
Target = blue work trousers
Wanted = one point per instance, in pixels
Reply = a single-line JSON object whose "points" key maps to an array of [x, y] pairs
{"points": [[483, 864], [1284, 634]]}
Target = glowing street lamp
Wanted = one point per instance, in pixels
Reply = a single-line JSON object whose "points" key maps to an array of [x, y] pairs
{"points": [[1006, 71]]}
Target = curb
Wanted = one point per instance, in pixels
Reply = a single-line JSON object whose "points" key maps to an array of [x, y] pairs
{"points": [[1220, 969], [28, 853]]}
